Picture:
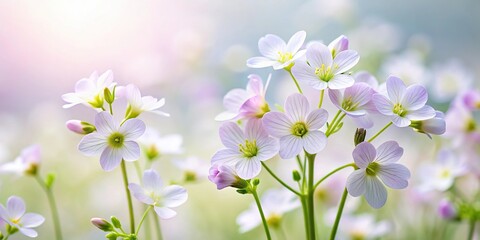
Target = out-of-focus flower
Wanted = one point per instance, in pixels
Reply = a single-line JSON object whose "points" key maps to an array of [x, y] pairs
{"points": [[154, 145], [275, 203], [90, 91], [323, 71], [138, 104], [403, 104], [112, 141], [356, 102], [363, 227], [469, 99], [366, 77], [441, 175], [434, 125], [450, 79], [446, 209], [462, 127], [14, 215], [27, 163], [245, 149], [80, 127], [297, 128], [416, 73], [375, 165], [276, 53], [246, 103], [161, 198], [193, 168], [224, 176], [338, 45]]}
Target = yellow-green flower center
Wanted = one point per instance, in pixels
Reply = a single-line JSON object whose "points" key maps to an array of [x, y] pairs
{"points": [[249, 149], [299, 129], [372, 169], [115, 140], [97, 101], [471, 125], [357, 235], [399, 110], [325, 73], [284, 57], [274, 220], [349, 105], [263, 109]]}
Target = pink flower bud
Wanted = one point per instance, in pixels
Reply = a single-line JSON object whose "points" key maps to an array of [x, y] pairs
{"points": [[224, 176], [446, 209], [80, 127]]}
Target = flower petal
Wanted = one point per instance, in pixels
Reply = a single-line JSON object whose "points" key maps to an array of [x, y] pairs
{"points": [[28, 232], [359, 93], [345, 60], [296, 42], [401, 121], [297, 107], [267, 149], [341, 81], [389, 152], [394, 175], [105, 123], [165, 213], [364, 121], [415, 97], [130, 151], [375, 192], [231, 135], [290, 146], [383, 104], [30, 220], [270, 45], [254, 130], [314, 141], [174, 196], [132, 129], [235, 98], [424, 113], [92, 144], [277, 124], [260, 62], [152, 181], [316, 119], [318, 54], [226, 156], [364, 154], [110, 158], [138, 192], [15, 207], [255, 85], [396, 89], [248, 168], [356, 183], [304, 73]]}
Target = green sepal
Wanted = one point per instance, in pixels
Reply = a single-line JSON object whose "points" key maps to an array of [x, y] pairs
{"points": [[50, 179], [116, 223]]}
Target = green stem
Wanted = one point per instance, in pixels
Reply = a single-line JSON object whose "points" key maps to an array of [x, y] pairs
{"points": [[471, 229], [280, 180], [129, 197], [6, 236], [310, 196], [305, 216], [143, 218], [339, 214], [332, 172], [299, 161], [295, 81], [158, 228], [53, 207], [320, 103], [262, 215], [379, 132], [333, 125]]}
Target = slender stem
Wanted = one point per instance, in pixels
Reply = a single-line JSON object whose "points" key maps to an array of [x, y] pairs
{"points": [[471, 229], [259, 206], [332, 172], [110, 108], [333, 126], [339, 214], [129, 197], [310, 196], [158, 228], [143, 218], [320, 103], [280, 180], [305, 216], [6, 236], [379, 132], [53, 207], [295, 81], [300, 163]]}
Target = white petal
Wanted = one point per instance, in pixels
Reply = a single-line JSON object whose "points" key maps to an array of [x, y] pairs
{"points": [[395, 88], [314, 142], [30, 220], [28, 232], [345, 60], [375, 192], [394, 175], [356, 183], [132, 129], [92, 144], [277, 124], [254, 130], [150, 104], [235, 98], [415, 97], [401, 121], [260, 62], [296, 42], [4, 213], [267, 149], [72, 99], [226, 116], [130, 151], [248, 168], [383, 104], [290, 146], [360, 93], [389, 152], [364, 121], [297, 107], [138, 192], [165, 213], [363, 154], [336, 97], [15, 207], [270, 45], [248, 220], [316, 119], [105, 124], [152, 181], [226, 156], [231, 135], [174, 196], [424, 113], [306, 74], [318, 54], [341, 81], [110, 158]]}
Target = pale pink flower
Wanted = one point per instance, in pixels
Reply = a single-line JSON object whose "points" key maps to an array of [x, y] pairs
{"points": [[90, 91]]}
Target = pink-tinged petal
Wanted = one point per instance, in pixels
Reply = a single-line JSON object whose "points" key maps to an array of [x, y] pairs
{"points": [[260, 62], [316, 119], [235, 98], [396, 89], [105, 123], [339, 44], [318, 54], [424, 113], [138, 192], [296, 42], [231, 135], [345, 60], [363, 154], [254, 130], [270, 45], [130, 151], [389, 152], [341, 81], [30, 220], [356, 183], [297, 107], [110, 158], [92, 144], [415, 97], [132, 129], [364, 121], [226, 156], [306, 74], [356, 113], [28, 232], [248, 168], [360, 93], [336, 97], [15, 207], [375, 192], [255, 85], [4, 213], [290, 146], [383, 104], [314, 142], [165, 213], [152, 181], [277, 124], [401, 121], [394, 175], [174, 196]]}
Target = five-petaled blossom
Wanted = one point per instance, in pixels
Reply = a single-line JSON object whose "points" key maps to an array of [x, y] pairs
{"points": [[138, 104], [245, 149], [161, 198], [14, 215], [404, 104], [375, 165], [297, 128], [322, 71], [90, 91], [441, 175], [277, 53], [113, 141], [26, 163]]}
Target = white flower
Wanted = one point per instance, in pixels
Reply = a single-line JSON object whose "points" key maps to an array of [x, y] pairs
{"points": [[363, 227], [26, 163], [441, 175], [89, 91], [450, 79], [14, 215], [193, 168], [138, 104], [155, 145], [112, 141]]}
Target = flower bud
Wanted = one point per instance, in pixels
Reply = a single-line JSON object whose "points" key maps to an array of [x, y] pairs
{"points": [[111, 236], [109, 97], [296, 176], [80, 127], [359, 137], [102, 224], [338, 45], [256, 181], [446, 209], [224, 176]]}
